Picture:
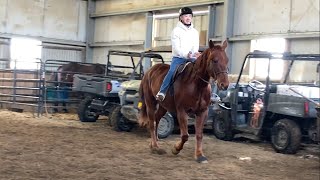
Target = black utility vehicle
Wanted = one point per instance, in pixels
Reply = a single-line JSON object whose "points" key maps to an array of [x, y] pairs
{"points": [[284, 111]]}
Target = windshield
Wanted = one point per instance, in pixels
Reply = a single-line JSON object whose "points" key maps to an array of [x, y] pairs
{"points": [[303, 72], [289, 70]]}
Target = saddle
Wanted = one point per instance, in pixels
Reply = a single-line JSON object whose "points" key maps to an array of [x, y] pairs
{"points": [[179, 70], [176, 74]]}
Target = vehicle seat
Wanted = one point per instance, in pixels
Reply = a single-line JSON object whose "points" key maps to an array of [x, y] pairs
{"points": [[273, 88]]}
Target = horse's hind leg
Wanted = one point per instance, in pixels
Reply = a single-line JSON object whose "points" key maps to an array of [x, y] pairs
{"points": [[183, 125], [152, 114], [159, 114]]}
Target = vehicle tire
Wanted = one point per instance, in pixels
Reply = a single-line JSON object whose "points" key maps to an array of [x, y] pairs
{"points": [[110, 115], [222, 126], [86, 114], [119, 122], [286, 136], [165, 126]]}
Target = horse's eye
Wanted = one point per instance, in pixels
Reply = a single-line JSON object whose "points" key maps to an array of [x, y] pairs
{"points": [[215, 61]]}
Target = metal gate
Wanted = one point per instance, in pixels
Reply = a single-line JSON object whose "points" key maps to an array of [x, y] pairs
{"points": [[20, 86], [58, 95]]}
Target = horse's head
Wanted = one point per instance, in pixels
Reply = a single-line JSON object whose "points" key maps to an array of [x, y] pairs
{"points": [[63, 76], [217, 64], [99, 68]]}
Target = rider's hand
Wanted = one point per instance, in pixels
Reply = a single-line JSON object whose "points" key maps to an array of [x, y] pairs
{"points": [[190, 55], [197, 54]]}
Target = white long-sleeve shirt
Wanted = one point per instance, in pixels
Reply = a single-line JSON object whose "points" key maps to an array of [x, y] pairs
{"points": [[184, 39]]}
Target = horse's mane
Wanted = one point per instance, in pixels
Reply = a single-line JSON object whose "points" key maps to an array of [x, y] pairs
{"points": [[196, 67]]}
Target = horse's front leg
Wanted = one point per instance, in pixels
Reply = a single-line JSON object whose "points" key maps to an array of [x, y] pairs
{"points": [[183, 125], [200, 119]]}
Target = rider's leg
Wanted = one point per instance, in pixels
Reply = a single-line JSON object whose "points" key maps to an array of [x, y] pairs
{"points": [[167, 79]]}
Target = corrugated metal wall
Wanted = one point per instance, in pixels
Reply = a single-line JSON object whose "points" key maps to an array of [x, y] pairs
{"points": [[58, 19], [124, 28], [4, 48], [125, 5], [4, 52], [120, 28], [276, 16], [61, 54]]}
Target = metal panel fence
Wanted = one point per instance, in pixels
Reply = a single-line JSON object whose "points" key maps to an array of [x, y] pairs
{"points": [[20, 86], [37, 88]]}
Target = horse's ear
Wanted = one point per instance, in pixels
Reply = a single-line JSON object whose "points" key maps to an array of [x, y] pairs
{"points": [[211, 44], [224, 44]]}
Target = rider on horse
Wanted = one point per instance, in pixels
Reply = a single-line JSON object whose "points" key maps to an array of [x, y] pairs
{"points": [[185, 45]]}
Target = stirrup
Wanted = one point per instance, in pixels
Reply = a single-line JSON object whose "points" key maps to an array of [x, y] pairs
{"points": [[160, 96]]}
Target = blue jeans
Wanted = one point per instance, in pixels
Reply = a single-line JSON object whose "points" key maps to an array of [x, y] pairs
{"points": [[176, 61]]}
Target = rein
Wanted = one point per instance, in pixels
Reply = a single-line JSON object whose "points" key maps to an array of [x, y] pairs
{"points": [[204, 80], [216, 74]]}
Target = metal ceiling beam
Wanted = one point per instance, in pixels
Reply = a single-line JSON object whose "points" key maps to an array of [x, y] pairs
{"points": [[117, 43], [249, 37], [281, 35], [43, 39], [150, 9]]}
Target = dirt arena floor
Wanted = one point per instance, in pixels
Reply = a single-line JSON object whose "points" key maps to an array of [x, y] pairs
{"points": [[60, 147]]}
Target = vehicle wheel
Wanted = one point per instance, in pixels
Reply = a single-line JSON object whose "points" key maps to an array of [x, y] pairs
{"points": [[286, 136], [85, 113], [119, 122], [221, 127], [165, 126], [110, 115]]}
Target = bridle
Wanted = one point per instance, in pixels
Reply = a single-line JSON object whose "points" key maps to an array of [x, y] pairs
{"points": [[226, 71], [221, 72]]}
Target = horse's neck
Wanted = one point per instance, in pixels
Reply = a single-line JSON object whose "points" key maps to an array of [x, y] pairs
{"points": [[195, 73], [200, 74]]}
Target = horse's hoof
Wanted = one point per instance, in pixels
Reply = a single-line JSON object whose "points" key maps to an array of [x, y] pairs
{"points": [[158, 151], [202, 160], [175, 151]]}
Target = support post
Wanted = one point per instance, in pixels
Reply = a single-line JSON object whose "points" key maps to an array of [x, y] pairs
{"points": [[90, 26], [212, 22], [227, 31], [148, 40]]}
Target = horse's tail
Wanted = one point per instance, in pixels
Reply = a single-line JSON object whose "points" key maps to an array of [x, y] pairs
{"points": [[143, 118]]}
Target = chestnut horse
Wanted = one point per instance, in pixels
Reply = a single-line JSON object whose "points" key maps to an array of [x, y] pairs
{"points": [[191, 94]]}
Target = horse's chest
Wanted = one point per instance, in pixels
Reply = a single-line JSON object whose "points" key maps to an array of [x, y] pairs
{"points": [[196, 102]]}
